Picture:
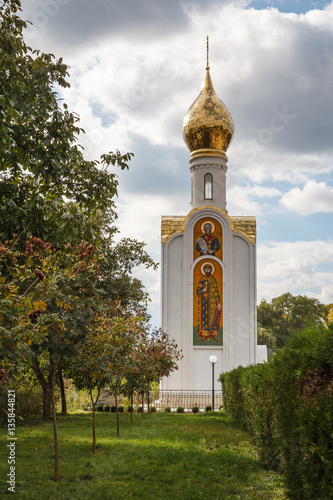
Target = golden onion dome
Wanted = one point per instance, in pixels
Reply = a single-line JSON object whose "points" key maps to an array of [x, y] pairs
{"points": [[208, 126]]}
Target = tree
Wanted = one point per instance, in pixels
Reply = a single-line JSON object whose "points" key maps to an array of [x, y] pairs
{"points": [[46, 308], [88, 367], [156, 356], [126, 334], [58, 261], [266, 337], [47, 189], [41, 161], [287, 314]]}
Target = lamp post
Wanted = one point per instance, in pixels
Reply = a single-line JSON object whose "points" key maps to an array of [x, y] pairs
{"points": [[213, 360]]}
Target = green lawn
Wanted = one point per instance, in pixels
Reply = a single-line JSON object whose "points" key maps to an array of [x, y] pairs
{"points": [[161, 456]]}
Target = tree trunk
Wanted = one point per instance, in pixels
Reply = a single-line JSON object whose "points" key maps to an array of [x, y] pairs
{"points": [[94, 415], [148, 399], [94, 429], [117, 412], [131, 403], [46, 387], [62, 392], [47, 399], [142, 403], [55, 430]]}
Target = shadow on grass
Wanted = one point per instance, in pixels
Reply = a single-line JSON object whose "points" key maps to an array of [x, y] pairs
{"points": [[161, 456]]}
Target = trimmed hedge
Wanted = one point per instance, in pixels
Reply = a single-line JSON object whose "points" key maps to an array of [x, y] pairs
{"points": [[287, 407]]}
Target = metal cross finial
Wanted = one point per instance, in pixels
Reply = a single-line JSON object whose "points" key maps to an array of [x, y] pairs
{"points": [[207, 67]]}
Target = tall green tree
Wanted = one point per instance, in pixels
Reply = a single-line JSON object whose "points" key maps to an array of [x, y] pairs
{"points": [[57, 260], [41, 160]]}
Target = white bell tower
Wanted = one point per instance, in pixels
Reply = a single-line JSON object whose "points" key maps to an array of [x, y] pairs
{"points": [[208, 259]]}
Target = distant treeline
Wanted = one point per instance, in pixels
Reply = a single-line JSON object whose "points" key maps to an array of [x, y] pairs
{"points": [[287, 314]]}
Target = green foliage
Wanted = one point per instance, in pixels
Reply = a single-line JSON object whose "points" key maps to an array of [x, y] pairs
{"points": [[195, 409], [167, 409], [259, 399], [180, 409], [99, 407], [106, 408], [287, 314], [152, 409], [121, 409], [76, 400], [61, 274], [113, 408], [208, 408], [41, 160], [287, 405], [29, 401], [233, 399], [265, 336]]}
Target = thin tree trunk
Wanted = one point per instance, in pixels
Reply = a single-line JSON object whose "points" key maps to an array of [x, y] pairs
{"points": [[117, 412], [148, 398], [47, 399], [62, 392], [131, 403], [142, 403], [94, 418], [55, 431], [94, 429]]}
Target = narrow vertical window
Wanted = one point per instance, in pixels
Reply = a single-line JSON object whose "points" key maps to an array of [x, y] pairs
{"points": [[208, 187]]}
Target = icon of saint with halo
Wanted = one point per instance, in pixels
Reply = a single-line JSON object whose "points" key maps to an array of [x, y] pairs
{"points": [[209, 303], [207, 244]]}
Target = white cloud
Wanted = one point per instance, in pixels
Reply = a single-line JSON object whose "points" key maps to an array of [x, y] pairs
{"points": [[314, 198], [301, 267], [137, 67], [246, 199]]}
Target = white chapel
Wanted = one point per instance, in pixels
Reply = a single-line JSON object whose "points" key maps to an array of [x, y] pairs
{"points": [[208, 259]]}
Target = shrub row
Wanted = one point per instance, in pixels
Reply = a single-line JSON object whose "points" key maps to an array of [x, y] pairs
{"points": [[287, 407]]}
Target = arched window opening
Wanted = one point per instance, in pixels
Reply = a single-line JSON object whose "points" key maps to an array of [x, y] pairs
{"points": [[208, 187]]}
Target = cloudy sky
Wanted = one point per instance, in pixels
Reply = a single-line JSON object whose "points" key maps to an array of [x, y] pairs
{"points": [[135, 68]]}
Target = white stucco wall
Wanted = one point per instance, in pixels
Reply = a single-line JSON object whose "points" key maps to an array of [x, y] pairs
{"points": [[239, 304], [244, 340], [172, 310]]}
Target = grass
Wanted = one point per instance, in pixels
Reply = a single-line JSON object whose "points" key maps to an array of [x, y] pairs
{"points": [[161, 456]]}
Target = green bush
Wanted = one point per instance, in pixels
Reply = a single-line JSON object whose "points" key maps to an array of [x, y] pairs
{"points": [[29, 401], [233, 394], [120, 409], [139, 409], [99, 407], [195, 409], [167, 409], [153, 409], [258, 396], [180, 409], [208, 408], [113, 408], [287, 406], [106, 408]]}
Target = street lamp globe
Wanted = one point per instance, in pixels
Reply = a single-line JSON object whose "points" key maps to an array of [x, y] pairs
{"points": [[213, 359]]}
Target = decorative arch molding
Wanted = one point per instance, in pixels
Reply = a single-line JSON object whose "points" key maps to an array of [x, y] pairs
{"points": [[202, 258], [245, 226]]}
